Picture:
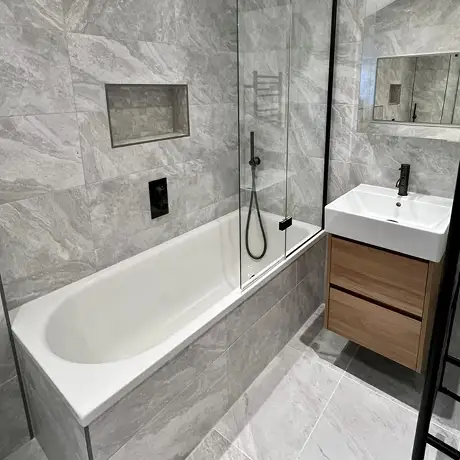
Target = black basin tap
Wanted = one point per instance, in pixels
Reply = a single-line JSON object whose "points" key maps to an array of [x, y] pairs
{"points": [[403, 181]]}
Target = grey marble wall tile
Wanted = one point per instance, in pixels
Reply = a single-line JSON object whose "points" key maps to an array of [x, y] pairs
{"points": [[29, 451], [259, 391], [308, 213], [395, 16], [304, 186], [47, 13], [435, 156], [47, 243], [213, 133], [129, 20], [212, 212], [369, 174], [53, 437], [216, 447], [309, 71], [351, 21], [195, 200], [307, 130], [14, 432], [7, 366], [434, 165], [38, 154], [344, 126], [339, 179], [96, 60], [247, 314], [212, 77], [429, 94], [247, 5], [285, 401], [114, 252], [101, 162], [347, 73], [424, 13], [120, 207], [115, 427], [309, 296], [207, 25], [35, 78], [57, 430], [269, 140], [183, 423], [265, 62], [433, 39], [264, 29], [312, 260], [311, 24], [251, 353]]}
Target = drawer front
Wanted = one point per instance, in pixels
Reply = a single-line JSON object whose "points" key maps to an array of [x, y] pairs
{"points": [[384, 331], [386, 277]]}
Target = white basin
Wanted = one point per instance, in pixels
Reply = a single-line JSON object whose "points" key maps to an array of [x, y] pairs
{"points": [[370, 214]]}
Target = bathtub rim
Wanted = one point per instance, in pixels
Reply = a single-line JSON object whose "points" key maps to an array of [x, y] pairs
{"points": [[74, 381]]}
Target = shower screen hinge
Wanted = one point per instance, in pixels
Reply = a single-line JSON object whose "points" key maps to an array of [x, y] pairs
{"points": [[286, 223]]}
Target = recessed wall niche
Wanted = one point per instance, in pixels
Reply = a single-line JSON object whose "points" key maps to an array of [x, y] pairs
{"points": [[146, 113]]}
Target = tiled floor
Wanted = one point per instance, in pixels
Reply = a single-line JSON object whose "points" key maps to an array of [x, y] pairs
{"points": [[321, 398], [29, 451]]}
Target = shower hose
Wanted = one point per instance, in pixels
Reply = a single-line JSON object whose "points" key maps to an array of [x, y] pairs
{"points": [[254, 201]]}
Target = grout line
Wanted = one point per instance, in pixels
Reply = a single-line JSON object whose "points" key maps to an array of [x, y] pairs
{"points": [[352, 358], [319, 418], [408, 408], [38, 114], [233, 445], [9, 380], [342, 375], [383, 394]]}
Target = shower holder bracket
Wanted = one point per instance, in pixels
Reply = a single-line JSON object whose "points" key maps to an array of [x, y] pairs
{"points": [[286, 223]]}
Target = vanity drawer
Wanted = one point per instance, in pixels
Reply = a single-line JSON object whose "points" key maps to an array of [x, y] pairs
{"points": [[386, 332], [389, 278]]}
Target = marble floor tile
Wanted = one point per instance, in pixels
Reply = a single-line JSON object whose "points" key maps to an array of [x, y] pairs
{"points": [[277, 413], [404, 386], [318, 343], [359, 424], [387, 377], [216, 447], [29, 451]]}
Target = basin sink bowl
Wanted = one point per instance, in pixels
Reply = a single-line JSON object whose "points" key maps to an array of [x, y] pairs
{"points": [[415, 225]]}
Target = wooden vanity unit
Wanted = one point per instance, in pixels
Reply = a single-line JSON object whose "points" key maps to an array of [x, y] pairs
{"points": [[382, 300]]}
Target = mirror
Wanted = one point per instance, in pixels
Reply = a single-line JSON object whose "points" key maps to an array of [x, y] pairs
{"points": [[418, 89]]}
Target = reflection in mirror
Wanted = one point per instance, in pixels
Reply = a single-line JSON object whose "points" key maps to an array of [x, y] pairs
{"points": [[418, 89]]}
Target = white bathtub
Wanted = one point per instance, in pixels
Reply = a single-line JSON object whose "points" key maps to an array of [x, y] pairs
{"points": [[98, 338]]}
